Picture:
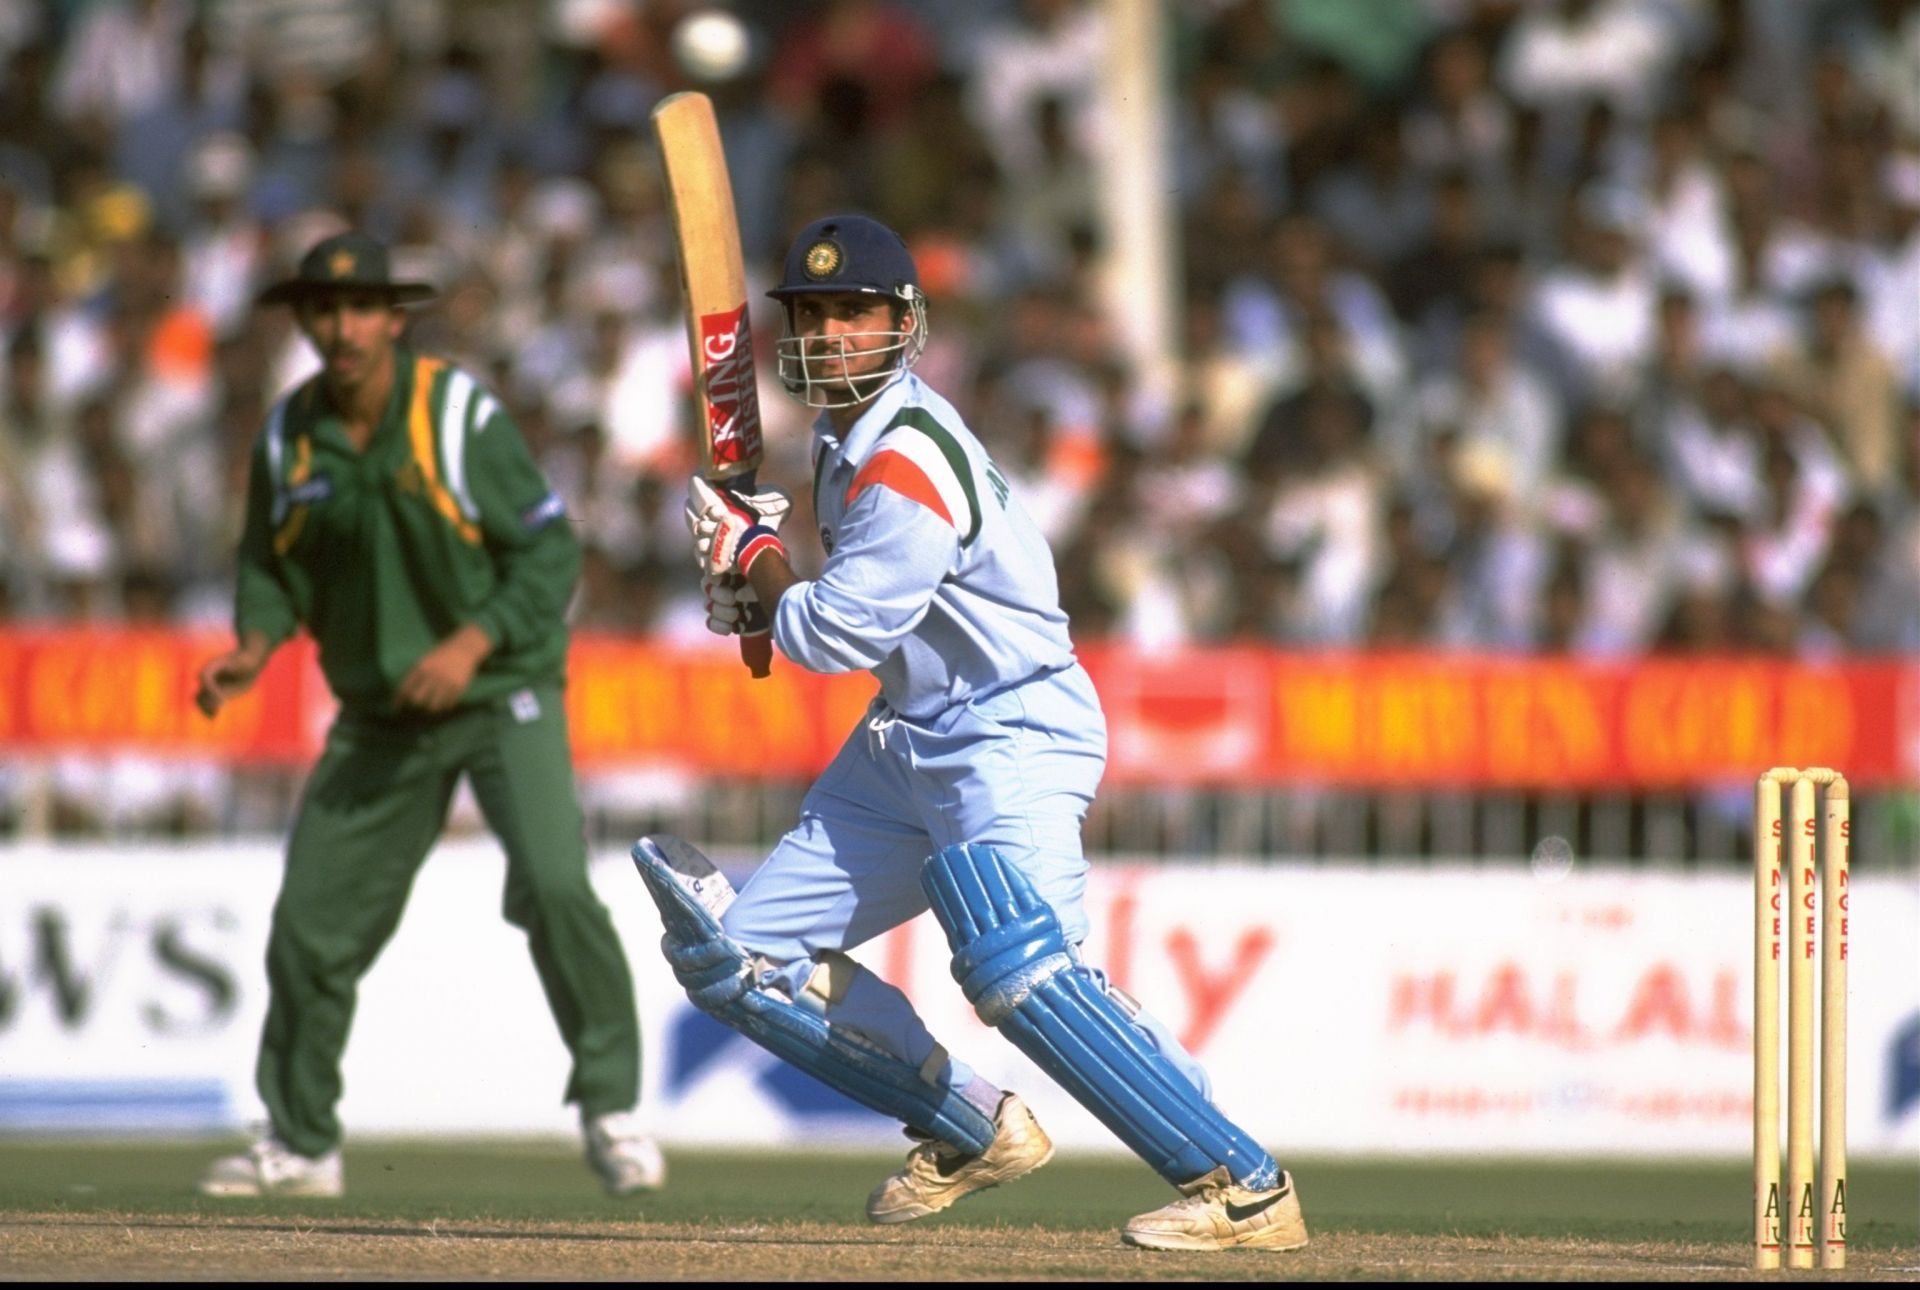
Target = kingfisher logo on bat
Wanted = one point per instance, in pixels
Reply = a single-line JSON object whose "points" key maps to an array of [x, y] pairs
{"points": [[733, 401]]}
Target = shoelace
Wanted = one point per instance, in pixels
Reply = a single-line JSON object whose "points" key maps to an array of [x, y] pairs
{"points": [[931, 1154], [1200, 1200]]}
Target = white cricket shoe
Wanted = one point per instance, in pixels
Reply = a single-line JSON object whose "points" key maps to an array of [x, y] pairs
{"points": [[271, 1168], [1218, 1214], [936, 1175], [626, 1159]]}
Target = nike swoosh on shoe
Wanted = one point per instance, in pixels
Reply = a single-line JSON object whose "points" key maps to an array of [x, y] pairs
{"points": [[1241, 1213]]}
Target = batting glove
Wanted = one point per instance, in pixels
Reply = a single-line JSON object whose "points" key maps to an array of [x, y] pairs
{"points": [[731, 530], [769, 506], [732, 608]]}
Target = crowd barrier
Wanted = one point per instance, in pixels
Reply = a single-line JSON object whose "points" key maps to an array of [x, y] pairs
{"points": [[1552, 1009]]}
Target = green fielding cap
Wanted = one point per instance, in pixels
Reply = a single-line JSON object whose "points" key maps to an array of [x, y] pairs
{"points": [[345, 261]]}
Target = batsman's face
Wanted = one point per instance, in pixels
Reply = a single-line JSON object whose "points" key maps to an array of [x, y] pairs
{"points": [[843, 335], [352, 331]]}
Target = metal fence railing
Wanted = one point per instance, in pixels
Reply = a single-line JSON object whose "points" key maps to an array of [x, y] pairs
{"points": [[1690, 829], [1657, 830]]}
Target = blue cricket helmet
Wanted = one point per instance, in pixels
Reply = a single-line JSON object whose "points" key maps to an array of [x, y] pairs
{"points": [[848, 253]]}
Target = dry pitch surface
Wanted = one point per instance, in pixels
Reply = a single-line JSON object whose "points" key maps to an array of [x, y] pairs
{"points": [[105, 1247], [436, 1212]]}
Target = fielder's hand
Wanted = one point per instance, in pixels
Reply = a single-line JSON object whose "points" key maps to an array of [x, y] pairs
{"points": [[228, 676], [441, 677], [730, 530]]}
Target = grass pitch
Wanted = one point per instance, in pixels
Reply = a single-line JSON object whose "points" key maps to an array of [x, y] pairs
{"points": [[449, 1211]]}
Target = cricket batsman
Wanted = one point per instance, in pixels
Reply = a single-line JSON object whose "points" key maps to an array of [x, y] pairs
{"points": [[963, 789]]}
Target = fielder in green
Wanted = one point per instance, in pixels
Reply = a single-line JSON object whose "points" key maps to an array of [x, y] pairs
{"points": [[394, 511]]}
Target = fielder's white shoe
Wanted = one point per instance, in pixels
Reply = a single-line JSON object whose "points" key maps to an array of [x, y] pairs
{"points": [[936, 1175], [626, 1159], [1217, 1214], [271, 1168]]}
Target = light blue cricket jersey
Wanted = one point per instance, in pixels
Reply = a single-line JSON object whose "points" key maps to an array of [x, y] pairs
{"points": [[936, 580]]}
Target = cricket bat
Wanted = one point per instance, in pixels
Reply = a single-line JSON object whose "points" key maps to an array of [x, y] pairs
{"points": [[713, 281]]}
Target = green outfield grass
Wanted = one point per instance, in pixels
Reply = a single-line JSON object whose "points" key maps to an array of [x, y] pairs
{"points": [[416, 1181]]}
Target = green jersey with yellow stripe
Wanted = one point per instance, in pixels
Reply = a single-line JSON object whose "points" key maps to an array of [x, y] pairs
{"points": [[442, 519]]}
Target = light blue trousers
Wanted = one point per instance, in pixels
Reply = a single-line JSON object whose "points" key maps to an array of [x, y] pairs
{"points": [[1016, 770]]}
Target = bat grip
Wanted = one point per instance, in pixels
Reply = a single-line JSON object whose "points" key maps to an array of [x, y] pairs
{"points": [[756, 648], [757, 653]]}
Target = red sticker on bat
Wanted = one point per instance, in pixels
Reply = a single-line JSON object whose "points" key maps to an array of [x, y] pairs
{"points": [[733, 401]]}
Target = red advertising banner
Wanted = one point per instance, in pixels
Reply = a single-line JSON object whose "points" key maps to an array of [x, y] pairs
{"points": [[1214, 716], [1485, 721], [92, 690]]}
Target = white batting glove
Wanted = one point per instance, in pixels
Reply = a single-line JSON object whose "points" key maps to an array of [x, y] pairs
{"points": [[730, 530], [770, 505], [729, 605]]}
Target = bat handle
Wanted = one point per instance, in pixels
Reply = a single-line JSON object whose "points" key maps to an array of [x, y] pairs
{"points": [[757, 653], [756, 642]]}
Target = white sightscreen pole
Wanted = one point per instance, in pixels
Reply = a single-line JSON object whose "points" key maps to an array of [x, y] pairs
{"points": [[1141, 271]]}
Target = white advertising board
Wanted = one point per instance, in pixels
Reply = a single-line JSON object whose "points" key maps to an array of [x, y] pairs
{"points": [[1339, 1009]]}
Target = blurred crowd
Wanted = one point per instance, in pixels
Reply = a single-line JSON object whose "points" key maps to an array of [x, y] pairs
{"points": [[1578, 326]]}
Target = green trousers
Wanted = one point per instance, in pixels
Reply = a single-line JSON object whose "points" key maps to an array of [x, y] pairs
{"points": [[374, 806]]}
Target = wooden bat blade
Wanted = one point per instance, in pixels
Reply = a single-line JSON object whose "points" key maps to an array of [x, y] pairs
{"points": [[714, 281]]}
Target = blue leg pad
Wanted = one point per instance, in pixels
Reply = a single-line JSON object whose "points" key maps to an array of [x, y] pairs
{"points": [[719, 978], [1018, 973]]}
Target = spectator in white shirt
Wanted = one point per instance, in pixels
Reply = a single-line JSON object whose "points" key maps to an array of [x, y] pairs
{"points": [[1564, 52], [1888, 549], [1803, 488], [1712, 448], [1049, 49], [1599, 307], [1636, 560], [1500, 561], [1270, 307], [1184, 489], [1687, 231], [1494, 399], [1889, 271], [123, 59], [225, 247], [1750, 326], [58, 541], [1326, 518]]}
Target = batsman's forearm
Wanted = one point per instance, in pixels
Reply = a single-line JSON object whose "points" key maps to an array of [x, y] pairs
{"points": [[770, 575]]}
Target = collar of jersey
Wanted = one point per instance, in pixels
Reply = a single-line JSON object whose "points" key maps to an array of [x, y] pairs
{"points": [[866, 431], [399, 398]]}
